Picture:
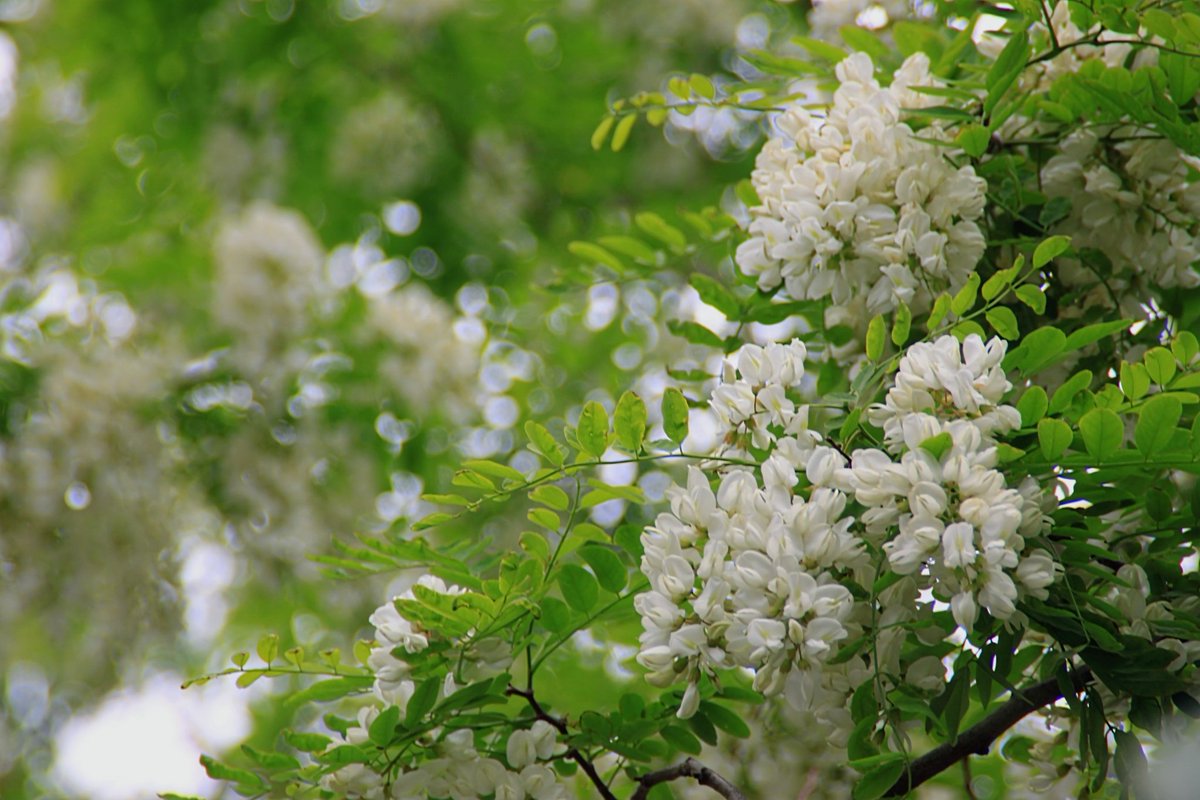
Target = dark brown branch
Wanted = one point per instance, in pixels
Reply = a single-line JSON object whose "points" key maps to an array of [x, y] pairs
{"points": [[979, 737], [689, 768], [560, 725]]}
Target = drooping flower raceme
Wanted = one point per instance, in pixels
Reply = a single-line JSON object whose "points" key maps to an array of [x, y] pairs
{"points": [[944, 512], [754, 575], [854, 208], [747, 576]]}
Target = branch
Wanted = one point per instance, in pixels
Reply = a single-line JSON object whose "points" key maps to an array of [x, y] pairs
{"points": [[689, 768], [560, 725], [979, 737]]}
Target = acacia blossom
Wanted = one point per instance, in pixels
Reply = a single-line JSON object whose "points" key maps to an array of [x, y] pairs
{"points": [[748, 575], [854, 208], [754, 575], [949, 516]]}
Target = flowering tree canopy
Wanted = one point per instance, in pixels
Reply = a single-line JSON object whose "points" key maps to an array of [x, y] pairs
{"points": [[865, 470]]}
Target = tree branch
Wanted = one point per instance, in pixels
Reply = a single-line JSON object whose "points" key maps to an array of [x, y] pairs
{"points": [[689, 768], [979, 737], [560, 725]]}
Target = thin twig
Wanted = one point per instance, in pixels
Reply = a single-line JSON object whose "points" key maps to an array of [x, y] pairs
{"points": [[979, 737], [689, 768], [560, 725]]}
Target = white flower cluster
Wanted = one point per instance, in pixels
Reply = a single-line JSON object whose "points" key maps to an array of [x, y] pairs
{"points": [[748, 576], [458, 770], [1133, 199], [951, 518], [1132, 598], [268, 269], [753, 577], [427, 363], [388, 145], [1131, 193], [854, 208]]}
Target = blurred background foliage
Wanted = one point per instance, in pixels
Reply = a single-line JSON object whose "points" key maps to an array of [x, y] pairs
{"points": [[270, 269]]}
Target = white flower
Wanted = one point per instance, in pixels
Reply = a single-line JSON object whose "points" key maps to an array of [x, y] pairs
{"points": [[963, 607], [521, 749], [958, 542]]}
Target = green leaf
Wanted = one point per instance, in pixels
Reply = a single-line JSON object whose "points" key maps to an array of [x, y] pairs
{"points": [[1033, 297], [973, 139], [240, 659], [446, 499], [1050, 249], [901, 325], [629, 422], [1135, 380], [675, 415], [1156, 424], [938, 445], [714, 294], [306, 742], [423, 700], [1185, 346], [1037, 349], [545, 518], [593, 429], [820, 49], [268, 647], [247, 679], [332, 689], [610, 571], [601, 133], [535, 544], [594, 253], [1064, 394], [1094, 333], [1102, 431], [725, 719], [629, 246], [579, 588], [383, 727], [1004, 321], [556, 617], [702, 85], [695, 333], [1005, 71], [552, 496], [1054, 436], [1032, 405], [996, 284], [544, 443], [494, 469], [629, 539], [473, 480], [681, 739], [941, 307], [1160, 365], [876, 781], [964, 299], [222, 772], [657, 227], [965, 328], [1130, 760], [621, 134], [876, 331], [432, 520]]}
